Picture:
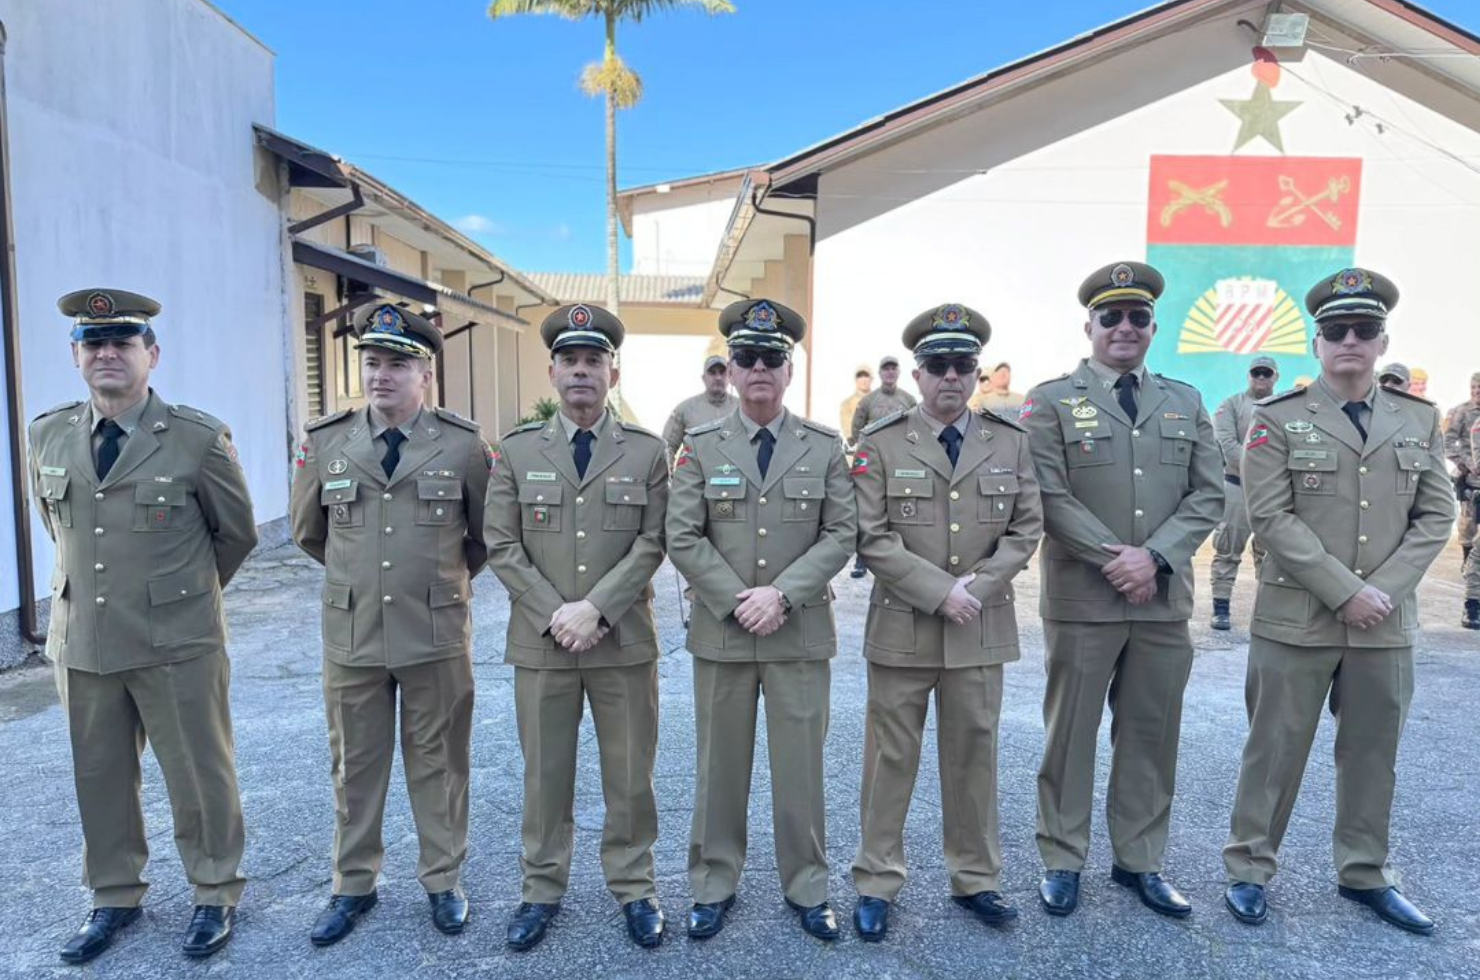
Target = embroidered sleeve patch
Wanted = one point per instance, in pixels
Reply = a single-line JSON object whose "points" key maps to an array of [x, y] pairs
{"points": [[1258, 436], [860, 464], [490, 456], [300, 458], [1027, 410], [684, 452]]}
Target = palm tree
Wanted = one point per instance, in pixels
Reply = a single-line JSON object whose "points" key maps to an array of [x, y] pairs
{"points": [[609, 77]]}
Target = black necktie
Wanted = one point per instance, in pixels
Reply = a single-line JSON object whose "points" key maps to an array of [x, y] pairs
{"points": [[393, 439], [765, 445], [1353, 411], [1125, 393], [950, 437], [108, 451], [583, 441]]}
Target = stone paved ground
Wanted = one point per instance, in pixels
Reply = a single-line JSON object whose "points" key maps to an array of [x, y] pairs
{"points": [[284, 762]]}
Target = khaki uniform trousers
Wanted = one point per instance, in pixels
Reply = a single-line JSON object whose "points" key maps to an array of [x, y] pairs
{"points": [[1284, 694], [624, 707], [183, 710], [1143, 668], [1467, 522], [436, 702], [968, 702], [797, 696], [1229, 540]]}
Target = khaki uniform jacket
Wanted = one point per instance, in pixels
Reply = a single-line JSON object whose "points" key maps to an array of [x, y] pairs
{"points": [[1231, 425], [142, 556], [554, 537], [922, 524], [730, 530], [1155, 484], [877, 405], [1336, 514], [399, 553], [692, 412]]}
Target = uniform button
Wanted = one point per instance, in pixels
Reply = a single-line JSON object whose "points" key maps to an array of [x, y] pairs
{"points": [[1362, 470], [1310, 465], [388, 599], [97, 532], [761, 563], [101, 601], [886, 600], [581, 569], [441, 493], [955, 495], [1365, 505], [1136, 433], [387, 496], [99, 567], [539, 498], [440, 511], [97, 496], [724, 493], [955, 528], [184, 591], [761, 532], [1001, 505], [1412, 477], [390, 530], [762, 501], [580, 534], [1362, 539], [1140, 513], [955, 559], [1181, 433], [580, 500], [909, 490], [385, 564], [159, 500], [457, 596], [1137, 471], [1280, 579], [1360, 572], [806, 493], [1001, 489], [626, 499]]}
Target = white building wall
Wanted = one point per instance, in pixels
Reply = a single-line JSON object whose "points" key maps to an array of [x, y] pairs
{"points": [[1018, 203], [678, 233], [133, 167]]}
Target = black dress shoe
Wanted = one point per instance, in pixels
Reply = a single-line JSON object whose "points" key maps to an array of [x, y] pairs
{"points": [[708, 918], [1059, 891], [1391, 907], [644, 922], [339, 918], [1222, 620], [1155, 892], [1246, 901], [97, 932], [871, 918], [858, 572], [449, 911], [817, 921], [990, 907], [528, 923], [210, 928]]}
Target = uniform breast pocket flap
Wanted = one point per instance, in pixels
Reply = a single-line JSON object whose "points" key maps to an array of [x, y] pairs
{"points": [[1089, 447], [182, 606], [803, 496], [539, 504], [52, 490], [159, 506], [1312, 471], [624, 504], [1412, 461], [910, 500], [998, 492], [341, 499], [725, 495], [438, 501], [1177, 437]]}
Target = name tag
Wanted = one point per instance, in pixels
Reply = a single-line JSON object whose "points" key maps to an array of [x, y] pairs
{"points": [[724, 481], [338, 484], [53, 471], [1092, 424], [909, 474], [1310, 454], [540, 477]]}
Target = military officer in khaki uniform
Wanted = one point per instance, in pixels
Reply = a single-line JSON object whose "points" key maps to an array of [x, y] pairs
{"points": [[883, 401], [1131, 483], [151, 518], [1346, 485], [575, 533], [948, 515], [1230, 425], [760, 519], [389, 498], [714, 402]]}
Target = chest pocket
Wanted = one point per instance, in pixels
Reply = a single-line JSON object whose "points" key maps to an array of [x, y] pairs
{"points": [[624, 504], [803, 496], [726, 499], [438, 501], [1311, 473], [1177, 437], [1089, 447], [340, 498], [998, 494], [539, 504], [52, 491], [1412, 461], [159, 506], [911, 500]]}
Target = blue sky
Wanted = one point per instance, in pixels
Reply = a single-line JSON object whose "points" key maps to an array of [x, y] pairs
{"points": [[483, 123]]}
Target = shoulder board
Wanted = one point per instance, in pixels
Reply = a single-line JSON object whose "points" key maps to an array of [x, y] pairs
{"points": [[1412, 397], [526, 427], [987, 413], [706, 427], [1280, 396], [448, 415], [819, 427], [887, 420], [196, 415], [1178, 381], [634, 427], [1063, 377], [57, 408], [324, 420]]}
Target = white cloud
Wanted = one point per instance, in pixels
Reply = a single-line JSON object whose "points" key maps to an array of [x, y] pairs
{"points": [[477, 224]]}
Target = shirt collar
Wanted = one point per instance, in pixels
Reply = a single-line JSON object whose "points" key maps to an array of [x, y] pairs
{"points": [[937, 426], [1109, 375], [570, 428], [1338, 401], [128, 420], [377, 427], [752, 427]]}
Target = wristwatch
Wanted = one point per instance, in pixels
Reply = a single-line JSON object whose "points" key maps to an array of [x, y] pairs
{"points": [[1163, 567], [785, 602]]}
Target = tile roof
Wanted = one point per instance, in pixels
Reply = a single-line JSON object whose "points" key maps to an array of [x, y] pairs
{"points": [[590, 287]]}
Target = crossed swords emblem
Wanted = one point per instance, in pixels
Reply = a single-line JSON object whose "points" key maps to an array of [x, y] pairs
{"points": [[1289, 212]]}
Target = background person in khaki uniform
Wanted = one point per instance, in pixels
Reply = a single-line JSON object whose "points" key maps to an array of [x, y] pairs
{"points": [[1458, 423], [882, 402], [1346, 485], [151, 517], [716, 401], [948, 515], [994, 393], [863, 383], [1130, 478], [389, 498], [760, 519], [1395, 376], [1230, 426], [575, 533]]}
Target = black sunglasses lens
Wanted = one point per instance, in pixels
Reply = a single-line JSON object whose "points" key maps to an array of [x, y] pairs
{"points": [[1263, 374], [1140, 319], [1110, 319], [938, 366], [1368, 331], [744, 358]]}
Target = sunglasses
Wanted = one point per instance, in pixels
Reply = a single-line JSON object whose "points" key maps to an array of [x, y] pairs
{"points": [[1110, 319], [1264, 374], [746, 357], [964, 367], [1335, 333]]}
